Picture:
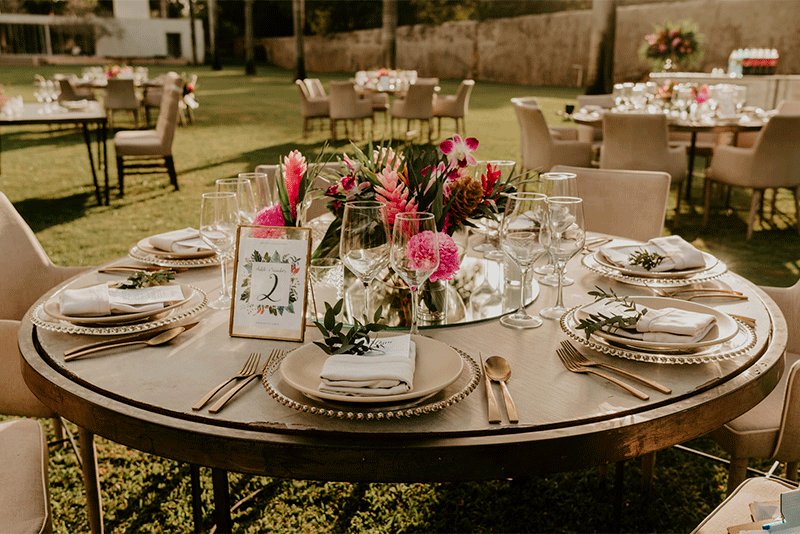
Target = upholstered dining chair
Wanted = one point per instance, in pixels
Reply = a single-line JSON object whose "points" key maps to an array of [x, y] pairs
{"points": [[544, 147], [623, 203], [784, 107], [70, 93], [773, 162], [640, 142], [772, 428], [735, 509], [311, 107], [121, 95], [24, 487], [346, 105], [315, 88], [150, 150], [594, 133], [454, 107], [416, 105]]}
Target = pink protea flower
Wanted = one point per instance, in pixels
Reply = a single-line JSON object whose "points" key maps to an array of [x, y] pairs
{"points": [[421, 250], [460, 150], [393, 195], [294, 167]]}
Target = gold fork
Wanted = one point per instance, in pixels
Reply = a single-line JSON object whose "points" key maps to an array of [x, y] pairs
{"points": [[575, 368], [229, 395], [702, 292], [248, 369], [579, 358]]}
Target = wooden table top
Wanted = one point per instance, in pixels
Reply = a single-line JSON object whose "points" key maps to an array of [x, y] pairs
{"points": [[142, 397], [35, 114]]}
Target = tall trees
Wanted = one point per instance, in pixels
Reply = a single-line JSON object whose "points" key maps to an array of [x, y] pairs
{"points": [[600, 75], [389, 33], [299, 19]]}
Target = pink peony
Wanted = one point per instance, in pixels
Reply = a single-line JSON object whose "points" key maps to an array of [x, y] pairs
{"points": [[420, 250], [294, 167], [460, 150], [393, 195], [270, 216]]}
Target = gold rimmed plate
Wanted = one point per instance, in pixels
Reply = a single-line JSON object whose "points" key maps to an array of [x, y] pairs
{"points": [[145, 246], [709, 263]]}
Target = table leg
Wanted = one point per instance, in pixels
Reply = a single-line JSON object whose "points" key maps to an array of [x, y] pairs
{"points": [[91, 482], [692, 147], [91, 163], [104, 136], [222, 501], [197, 503]]}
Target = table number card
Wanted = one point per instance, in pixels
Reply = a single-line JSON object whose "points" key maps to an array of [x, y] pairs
{"points": [[270, 282]]}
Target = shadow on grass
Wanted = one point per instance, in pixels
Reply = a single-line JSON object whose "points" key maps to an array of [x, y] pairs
{"points": [[43, 213]]}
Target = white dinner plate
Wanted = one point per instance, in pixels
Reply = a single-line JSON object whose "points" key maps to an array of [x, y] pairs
{"points": [[724, 329], [51, 308], [145, 246], [709, 263], [438, 365]]}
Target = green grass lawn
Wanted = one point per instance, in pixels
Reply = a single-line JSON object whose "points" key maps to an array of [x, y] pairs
{"points": [[245, 121]]}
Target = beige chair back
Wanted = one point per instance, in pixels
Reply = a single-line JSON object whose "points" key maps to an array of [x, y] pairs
{"points": [[639, 141], [630, 204], [602, 101], [315, 88], [776, 158], [24, 488], [120, 94], [418, 102], [345, 102], [315, 207], [168, 111], [535, 141], [67, 90], [462, 96]]}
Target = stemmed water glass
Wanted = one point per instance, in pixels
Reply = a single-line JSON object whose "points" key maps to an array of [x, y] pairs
{"points": [[566, 234], [415, 254], [265, 191], [520, 229], [556, 184], [219, 217], [243, 189], [364, 243]]}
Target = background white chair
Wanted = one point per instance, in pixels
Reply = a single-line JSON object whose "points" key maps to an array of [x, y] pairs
{"points": [[639, 141], [346, 105], [773, 162], [454, 107], [594, 134], [416, 105], [623, 203], [71, 93], [121, 96], [735, 510], [150, 150], [312, 107], [24, 488], [540, 149], [772, 428]]}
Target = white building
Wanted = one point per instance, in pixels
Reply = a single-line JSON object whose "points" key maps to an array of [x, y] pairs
{"points": [[131, 33]]}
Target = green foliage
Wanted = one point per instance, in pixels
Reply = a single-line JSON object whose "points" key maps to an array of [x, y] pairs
{"points": [[648, 260], [144, 279], [353, 340], [610, 323]]}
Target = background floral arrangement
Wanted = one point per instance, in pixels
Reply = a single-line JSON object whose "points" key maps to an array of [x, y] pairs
{"points": [[678, 43], [113, 71]]}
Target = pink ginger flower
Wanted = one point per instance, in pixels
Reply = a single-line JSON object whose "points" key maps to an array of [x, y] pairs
{"points": [[489, 178], [460, 150], [393, 195], [388, 157], [294, 167], [421, 250]]}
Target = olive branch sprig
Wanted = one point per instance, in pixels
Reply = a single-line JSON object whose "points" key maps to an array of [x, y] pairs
{"points": [[601, 321], [144, 279], [648, 260], [356, 340]]}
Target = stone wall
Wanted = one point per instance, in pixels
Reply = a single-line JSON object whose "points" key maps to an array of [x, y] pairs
{"points": [[544, 49]]}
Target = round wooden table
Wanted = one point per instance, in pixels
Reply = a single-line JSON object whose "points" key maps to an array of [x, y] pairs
{"points": [[142, 396]]}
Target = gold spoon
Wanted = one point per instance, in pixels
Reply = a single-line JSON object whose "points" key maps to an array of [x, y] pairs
{"points": [[164, 337], [497, 368]]}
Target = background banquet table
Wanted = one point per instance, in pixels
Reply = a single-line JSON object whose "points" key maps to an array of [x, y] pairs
{"points": [[142, 397]]}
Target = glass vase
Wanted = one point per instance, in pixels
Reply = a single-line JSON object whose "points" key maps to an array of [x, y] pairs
{"points": [[433, 302]]}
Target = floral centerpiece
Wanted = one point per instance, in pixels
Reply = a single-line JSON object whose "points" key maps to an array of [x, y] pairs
{"points": [[410, 179], [672, 45], [114, 71]]}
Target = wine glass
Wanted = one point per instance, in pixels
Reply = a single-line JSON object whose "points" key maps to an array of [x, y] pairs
{"points": [[566, 231], [364, 243], [243, 189], [523, 220], [265, 190], [219, 217], [415, 254], [556, 184]]}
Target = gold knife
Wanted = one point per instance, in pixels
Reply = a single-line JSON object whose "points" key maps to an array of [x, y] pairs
{"points": [[134, 269], [132, 337]]}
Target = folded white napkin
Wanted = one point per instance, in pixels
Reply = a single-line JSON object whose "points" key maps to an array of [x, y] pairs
{"points": [[386, 370], [100, 300], [666, 325], [678, 254], [185, 241]]}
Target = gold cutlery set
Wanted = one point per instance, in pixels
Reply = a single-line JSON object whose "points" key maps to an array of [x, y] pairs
{"points": [[496, 368]]}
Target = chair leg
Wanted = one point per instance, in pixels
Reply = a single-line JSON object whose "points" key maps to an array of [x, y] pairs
{"points": [[791, 470], [678, 204], [797, 207], [737, 472], [706, 200], [136, 118], [305, 127], [772, 204], [173, 177], [121, 175], [333, 129], [755, 202], [58, 429]]}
